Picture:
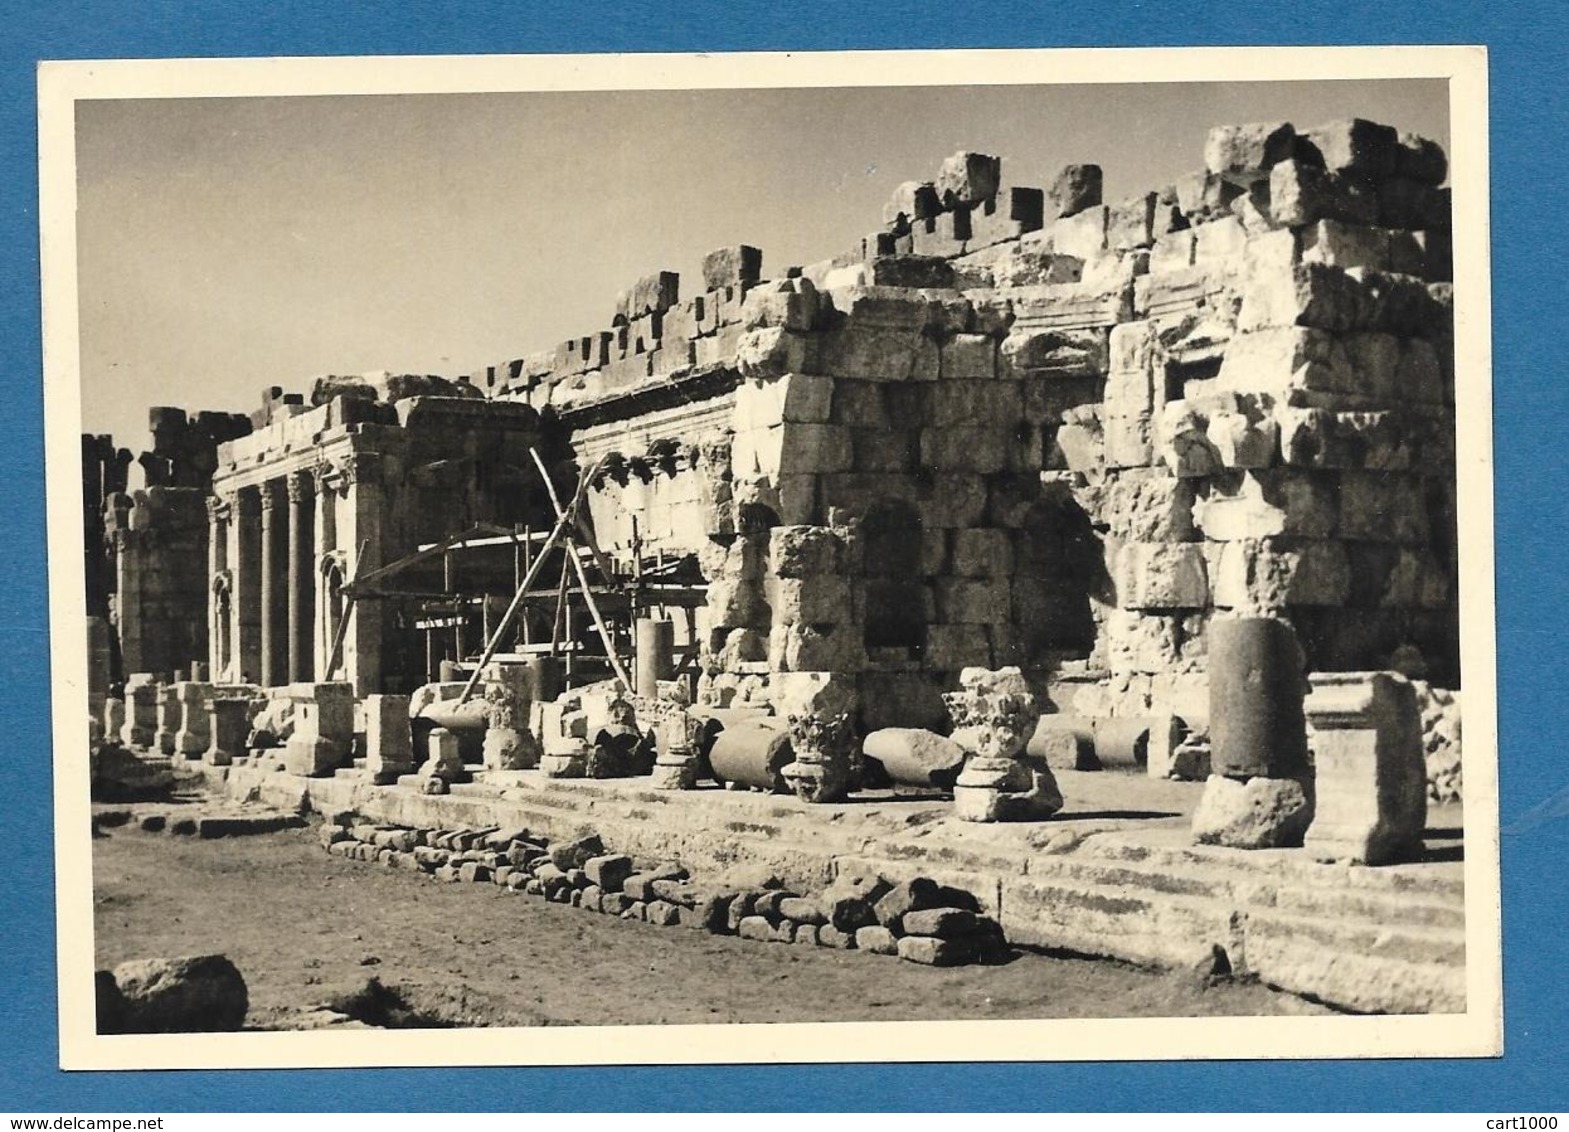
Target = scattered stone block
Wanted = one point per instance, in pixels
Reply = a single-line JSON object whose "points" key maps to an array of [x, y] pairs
{"points": [[1075, 188], [609, 871], [1253, 813], [738, 266], [876, 940], [754, 927], [933, 952], [945, 923]]}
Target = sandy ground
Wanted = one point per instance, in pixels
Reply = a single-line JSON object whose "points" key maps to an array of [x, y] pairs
{"points": [[302, 926]]}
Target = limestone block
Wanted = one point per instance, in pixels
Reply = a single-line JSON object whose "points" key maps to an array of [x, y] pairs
{"points": [[1302, 194], [805, 551], [773, 352], [1173, 251], [1082, 235], [1370, 775], [1243, 154], [1346, 246], [1165, 755], [877, 353], [972, 601], [169, 711], [1307, 294], [981, 449], [951, 647], [1204, 195], [957, 500], [1014, 211], [820, 599], [1075, 189], [113, 718], [1383, 507], [1319, 438], [968, 357], [1243, 440], [1265, 502], [1132, 348], [1266, 577], [802, 647], [912, 200], [1130, 223], [1183, 442], [731, 267], [788, 303], [1064, 742], [1258, 813], [982, 552], [1256, 685], [389, 750], [968, 179], [1219, 241], [229, 724], [1153, 642], [994, 403], [1082, 443], [194, 736], [1161, 575], [1357, 148], [915, 757], [323, 728]]}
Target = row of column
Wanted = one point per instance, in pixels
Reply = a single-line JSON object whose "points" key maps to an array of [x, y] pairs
{"points": [[277, 562]]}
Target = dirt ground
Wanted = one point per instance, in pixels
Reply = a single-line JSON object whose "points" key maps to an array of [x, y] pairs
{"points": [[303, 925]]}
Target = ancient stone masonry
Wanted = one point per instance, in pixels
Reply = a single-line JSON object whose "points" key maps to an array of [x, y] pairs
{"points": [[374, 467], [1034, 428], [1024, 481]]}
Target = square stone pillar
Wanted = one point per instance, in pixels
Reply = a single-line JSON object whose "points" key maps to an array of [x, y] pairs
{"points": [[323, 729], [141, 711], [1370, 774], [194, 736], [169, 712], [389, 746], [229, 722]]}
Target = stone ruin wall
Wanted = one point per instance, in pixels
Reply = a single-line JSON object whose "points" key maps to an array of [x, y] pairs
{"points": [[1033, 428], [375, 466]]}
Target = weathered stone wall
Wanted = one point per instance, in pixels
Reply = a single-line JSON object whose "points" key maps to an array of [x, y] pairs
{"points": [[158, 538], [1047, 431]]}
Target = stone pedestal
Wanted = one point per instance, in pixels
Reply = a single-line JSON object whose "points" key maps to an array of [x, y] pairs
{"points": [[323, 728], [389, 746], [169, 712], [994, 714], [508, 743], [141, 712], [113, 719], [229, 724], [1370, 774], [444, 759], [194, 735], [564, 756], [1259, 793]]}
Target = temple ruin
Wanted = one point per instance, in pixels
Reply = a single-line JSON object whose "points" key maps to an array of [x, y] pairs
{"points": [[994, 475]]}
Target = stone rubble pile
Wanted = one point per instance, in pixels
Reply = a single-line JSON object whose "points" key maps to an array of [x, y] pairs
{"points": [[918, 920]]}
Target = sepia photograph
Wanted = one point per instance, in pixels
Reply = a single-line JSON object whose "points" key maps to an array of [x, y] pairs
{"points": [[650, 556]]}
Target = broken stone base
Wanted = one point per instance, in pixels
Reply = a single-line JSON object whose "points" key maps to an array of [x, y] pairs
{"points": [[1255, 813], [996, 789], [674, 772], [508, 748], [563, 765]]}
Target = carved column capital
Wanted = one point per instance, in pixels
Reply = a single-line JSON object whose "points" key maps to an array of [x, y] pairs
{"points": [[270, 494], [300, 485]]}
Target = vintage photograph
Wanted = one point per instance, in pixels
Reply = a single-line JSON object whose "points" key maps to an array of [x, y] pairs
{"points": [[966, 546]]}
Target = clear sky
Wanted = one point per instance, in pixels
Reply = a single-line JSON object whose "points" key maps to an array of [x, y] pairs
{"points": [[229, 244]]}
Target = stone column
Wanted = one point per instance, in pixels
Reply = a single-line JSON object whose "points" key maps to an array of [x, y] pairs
{"points": [[1259, 792], [994, 715], [655, 654], [324, 540], [302, 582], [245, 605], [273, 647], [1369, 770], [219, 639], [229, 722]]}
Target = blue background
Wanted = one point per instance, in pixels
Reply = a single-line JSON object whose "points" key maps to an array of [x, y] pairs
{"points": [[1529, 175]]}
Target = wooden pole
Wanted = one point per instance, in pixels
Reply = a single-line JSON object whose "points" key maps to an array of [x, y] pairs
{"points": [[348, 609], [582, 577], [563, 521]]}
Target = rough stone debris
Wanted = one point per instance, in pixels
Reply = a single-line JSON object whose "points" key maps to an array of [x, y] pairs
{"points": [[190, 994]]}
